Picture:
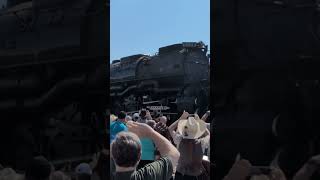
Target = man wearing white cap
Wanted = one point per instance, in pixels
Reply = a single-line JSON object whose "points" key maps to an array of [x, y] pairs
{"points": [[192, 137]]}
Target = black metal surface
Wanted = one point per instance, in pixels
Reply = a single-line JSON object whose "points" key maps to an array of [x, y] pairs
{"points": [[176, 77], [266, 52], [53, 79]]}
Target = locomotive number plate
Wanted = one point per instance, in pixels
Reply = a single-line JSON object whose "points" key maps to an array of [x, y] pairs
{"points": [[157, 108]]}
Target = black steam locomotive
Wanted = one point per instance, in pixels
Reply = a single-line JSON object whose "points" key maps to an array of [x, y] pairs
{"points": [[53, 79], [173, 80]]}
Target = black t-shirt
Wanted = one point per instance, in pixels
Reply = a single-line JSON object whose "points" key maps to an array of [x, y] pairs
{"points": [[161, 169]]}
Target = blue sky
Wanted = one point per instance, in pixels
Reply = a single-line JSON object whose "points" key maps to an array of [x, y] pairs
{"points": [[142, 26]]}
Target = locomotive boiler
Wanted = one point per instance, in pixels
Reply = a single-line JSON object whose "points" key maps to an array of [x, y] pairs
{"points": [[173, 80], [53, 79]]}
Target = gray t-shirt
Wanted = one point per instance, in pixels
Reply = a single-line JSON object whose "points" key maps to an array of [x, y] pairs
{"points": [[161, 169]]}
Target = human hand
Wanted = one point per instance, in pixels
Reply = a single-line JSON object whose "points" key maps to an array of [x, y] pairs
{"points": [[205, 116], [184, 115], [160, 127], [148, 115], [140, 129], [239, 171], [196, 117], [277, 174]]}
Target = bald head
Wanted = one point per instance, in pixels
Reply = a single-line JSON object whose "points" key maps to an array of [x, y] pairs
{"points": [[163, 119]]}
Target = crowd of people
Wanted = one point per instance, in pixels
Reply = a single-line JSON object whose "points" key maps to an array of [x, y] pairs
{"points": [[39, 168], [242, 169], [143, 146]]}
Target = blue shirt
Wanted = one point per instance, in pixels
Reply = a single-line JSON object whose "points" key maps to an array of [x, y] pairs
{"points": [[148, 149], [116, 127]]}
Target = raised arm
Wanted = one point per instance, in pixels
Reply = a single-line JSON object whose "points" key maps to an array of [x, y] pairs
{"points": [[165, 147], [239, 171], [148, 115], [205, 116], [174, 125], [308, 169], [205, 139]]}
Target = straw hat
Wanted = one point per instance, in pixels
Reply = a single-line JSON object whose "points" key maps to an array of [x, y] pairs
{"points": [[191, 128]]}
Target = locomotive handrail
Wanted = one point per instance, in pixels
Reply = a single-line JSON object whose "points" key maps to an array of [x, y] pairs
{"points": [[50, 94], [143, 79], [56, 60], [41, 10], [13, 10], [284, 4], [35, 13]]}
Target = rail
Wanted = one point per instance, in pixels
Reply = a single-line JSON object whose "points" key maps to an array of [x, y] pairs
{"points": [[56, 60], [15, 10]]}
